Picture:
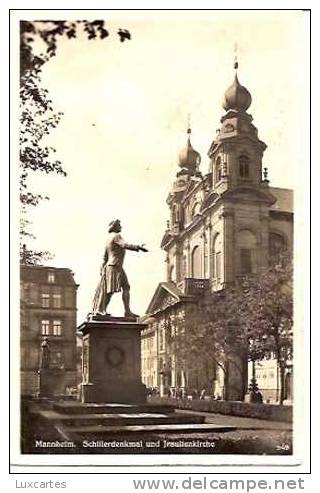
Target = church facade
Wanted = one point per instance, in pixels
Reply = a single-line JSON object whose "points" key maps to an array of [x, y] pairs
{"points": [[223, 224]]}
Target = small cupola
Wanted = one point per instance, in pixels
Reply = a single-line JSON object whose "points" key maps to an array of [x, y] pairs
{"points": [[189, 158]]}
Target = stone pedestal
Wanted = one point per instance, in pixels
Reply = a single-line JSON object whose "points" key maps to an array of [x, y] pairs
{"points": [[48, 382], [111, 362]]}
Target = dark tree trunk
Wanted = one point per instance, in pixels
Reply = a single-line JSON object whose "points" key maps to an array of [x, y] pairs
{"points": [[226, 382], [282, 370], [253, 369]]}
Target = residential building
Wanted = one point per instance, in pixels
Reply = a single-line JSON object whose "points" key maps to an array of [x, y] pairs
{"points": [[48, 309]]}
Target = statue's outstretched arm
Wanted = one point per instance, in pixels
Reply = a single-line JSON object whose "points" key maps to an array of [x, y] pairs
{"points": [[128, 246]]}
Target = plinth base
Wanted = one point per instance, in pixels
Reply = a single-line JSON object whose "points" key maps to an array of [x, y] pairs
{"points": [[111, 358], [48, 382], [122, 392]]}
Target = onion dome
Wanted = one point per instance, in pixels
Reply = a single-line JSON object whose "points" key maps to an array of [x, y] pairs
{"points": [[189, 158], [236, 97]]}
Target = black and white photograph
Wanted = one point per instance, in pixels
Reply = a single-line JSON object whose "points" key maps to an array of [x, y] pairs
{"points": [[162, 174]]}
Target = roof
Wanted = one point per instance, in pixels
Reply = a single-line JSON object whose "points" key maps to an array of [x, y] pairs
{"points": [[39, 274], [172, 288], [163, 289], [284, 198]]}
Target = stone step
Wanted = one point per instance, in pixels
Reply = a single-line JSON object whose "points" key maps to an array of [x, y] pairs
{"points": [[118, 419], [69, 407], [98, 432]]}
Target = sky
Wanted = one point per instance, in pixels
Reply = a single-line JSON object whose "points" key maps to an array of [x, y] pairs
{"points": [[125, 115]]}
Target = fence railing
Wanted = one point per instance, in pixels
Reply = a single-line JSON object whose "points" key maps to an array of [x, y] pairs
{"points": [[194, 286]]}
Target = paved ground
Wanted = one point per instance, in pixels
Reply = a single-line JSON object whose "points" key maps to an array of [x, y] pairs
{"points": [[240, 422], [251, 436]]}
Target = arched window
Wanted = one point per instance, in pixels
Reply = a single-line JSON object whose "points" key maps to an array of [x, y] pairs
{"points": [[196, 263], [175, 214], [195, 209], [205, 258], [178, 377], [217, 257], [172, 273], [277, 244], [244, 171], [161, 339], [218, 169], [184, 267], [246, 242], [229, 128]]}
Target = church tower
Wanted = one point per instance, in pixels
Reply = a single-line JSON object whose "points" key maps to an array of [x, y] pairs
{"points": [[219, 223], [223, 225], [240, 192], [236, 153], [189, 161]]}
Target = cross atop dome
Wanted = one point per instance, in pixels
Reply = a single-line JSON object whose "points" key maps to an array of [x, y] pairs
{"points": [[235, 64], [236, 97]]}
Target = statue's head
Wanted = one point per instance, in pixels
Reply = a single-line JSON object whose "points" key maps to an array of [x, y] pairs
{"points": [[115, 226]]}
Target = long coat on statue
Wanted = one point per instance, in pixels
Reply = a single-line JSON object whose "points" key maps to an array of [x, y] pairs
{"points": [[113, 277]]}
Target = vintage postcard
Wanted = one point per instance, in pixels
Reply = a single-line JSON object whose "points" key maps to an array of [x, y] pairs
{"points": [[163, 179]]}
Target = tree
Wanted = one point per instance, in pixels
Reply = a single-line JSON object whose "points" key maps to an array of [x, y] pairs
{"points": [[247, 321], [38, 44], [254, 392], [267, 312], [210, 337]]}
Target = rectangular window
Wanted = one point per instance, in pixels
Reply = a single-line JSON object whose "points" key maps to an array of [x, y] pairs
{"points": [[245, 261], [45, 327], [218, 265], [57, 359], [161, 340], [244, 170], [205, 263], [57, 327], [219, 173], [51, 277], [213, 264], [45, 300], [56, 301]]}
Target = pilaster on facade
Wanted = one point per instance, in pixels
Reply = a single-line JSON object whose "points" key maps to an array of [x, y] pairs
{"points": [[229, 242], [223, 225]]}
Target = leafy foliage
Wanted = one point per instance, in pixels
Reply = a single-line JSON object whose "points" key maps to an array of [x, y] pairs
{"points": [[33, 257], [251, 319], [38, 44], [254, 392]]}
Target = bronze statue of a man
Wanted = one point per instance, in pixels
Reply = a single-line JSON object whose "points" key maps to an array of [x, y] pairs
{"points": [[113, 277]]}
